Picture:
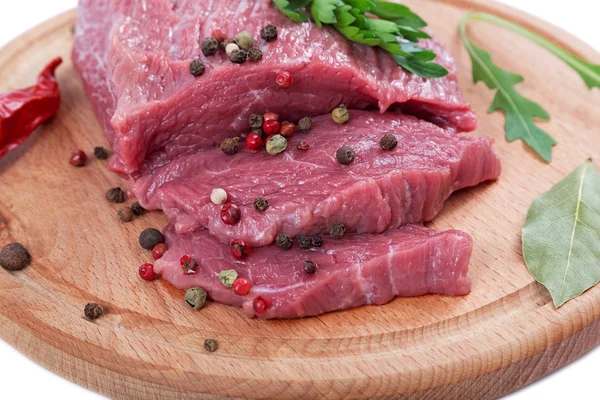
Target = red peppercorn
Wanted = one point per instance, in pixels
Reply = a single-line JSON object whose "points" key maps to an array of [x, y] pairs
{"points": [[218, 35], [287, 129], [147, 272], [240, 249], [189, 265], [159, 250], [253, 141], [271, 116], [230, 214], [302, 146], [261, 305], [78, 158], [271, 127], [284, 80], [241, 286]]}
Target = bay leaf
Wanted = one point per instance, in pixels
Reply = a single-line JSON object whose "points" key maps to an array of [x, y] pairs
{"points": [[561, 236]]}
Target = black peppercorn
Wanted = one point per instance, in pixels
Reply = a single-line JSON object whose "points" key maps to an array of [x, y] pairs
{"points": [[100, 153], [238, 56], [284, 242], [209, 46], [337, 231], [230, 146], [255, 54], [93, 311], [256, 121], [151, 237], [269, 33], [310, 267], [14, 257], [345, 155], [125, 214], [211, 345], [304, 242], [138, 209], [317, 241], [305, 124], [261, 204], [388, 142], [197, 68], [116, 195]]}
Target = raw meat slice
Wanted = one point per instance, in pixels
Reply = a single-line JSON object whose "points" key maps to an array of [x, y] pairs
{"points": [[134, 59], [351, 272], [308, 191]]}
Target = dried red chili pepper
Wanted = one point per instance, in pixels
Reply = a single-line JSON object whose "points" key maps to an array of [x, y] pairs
{"points": [[23, 110]]}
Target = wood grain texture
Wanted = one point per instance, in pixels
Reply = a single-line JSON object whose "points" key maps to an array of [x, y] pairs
{"points": [[502, 336]]}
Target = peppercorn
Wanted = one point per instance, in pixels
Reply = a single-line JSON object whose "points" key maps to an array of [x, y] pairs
{"points": [[277, 144], [197, 68], [146, 272], [345, 155], [242, 286], [231, 47], [261, 305], [284, 241], [151, 237], [125, 214], [226, 43], [195, 298], [231, 214], [209, 46], [218, 35], [305, 124], [268, 33], [78, 158], [227, 277], [271, 127], [256, 121], [188, 264], [340, 115], [218, 196], [284, 80], [116, 195], [211, 345], [244, 40], [93, 311], [287, 129], [238, 56], [255, 54], [310, 267], [337, 231], [138, 209], [240, 250], [261, 204], [271, 116], [230, 146], [388, 142], [14, 257], [304, 242], [317, 241], [100, 153], [260, 132], [254, 141], [159, 250], [302, 145]]}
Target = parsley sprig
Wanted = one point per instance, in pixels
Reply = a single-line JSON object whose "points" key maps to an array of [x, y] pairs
{"points": [[396, 29]]}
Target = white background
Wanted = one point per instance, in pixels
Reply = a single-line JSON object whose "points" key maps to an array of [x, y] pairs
{"points": [[22, 379]]}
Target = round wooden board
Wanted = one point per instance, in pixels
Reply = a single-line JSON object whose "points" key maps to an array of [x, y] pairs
{"points": [[502, 336]]}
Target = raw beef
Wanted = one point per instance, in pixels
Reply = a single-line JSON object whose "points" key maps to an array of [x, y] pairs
{"points": [[308, 191], [134, 58], [351, 272]]}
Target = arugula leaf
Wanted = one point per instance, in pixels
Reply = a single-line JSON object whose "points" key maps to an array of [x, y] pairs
{"points": [[561, 236], [520, 112]]}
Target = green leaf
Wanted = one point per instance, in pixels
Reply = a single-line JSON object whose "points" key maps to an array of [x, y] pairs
{"points": [[520, 112], [290, 9], [425, 69], [323, 11], [398, 12], [561, 236]]}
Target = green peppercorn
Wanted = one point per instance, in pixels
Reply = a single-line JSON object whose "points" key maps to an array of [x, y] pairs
{"points": [[337, 231], [255, 54], [151, 237], [317, 241], [261, 204], [345, 155], [227, 277], [244, 40], [230, 146], [195, 298], [209, 46], [116, 195], [310, 267], [138, 209], [238, 56], [93, 311], [277, 144], [340, 115], [125, 214], [388, 142], [14, 257], [256, 121], [268, 33], [211, 345], [305, 124], [100, 153], [304, 242], [197, 68], [284, 241]]}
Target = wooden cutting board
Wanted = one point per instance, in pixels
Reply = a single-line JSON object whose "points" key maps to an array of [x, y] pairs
{"points": [[504, 335]]}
